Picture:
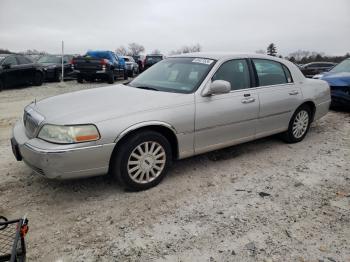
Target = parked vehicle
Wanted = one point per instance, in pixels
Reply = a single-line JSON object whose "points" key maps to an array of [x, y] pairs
{"points": [[150, 60], [52, 66], [338, 79], [314, 68], [104, 65], [183, 106], [139, 59], [131, 66], [16, 70]]}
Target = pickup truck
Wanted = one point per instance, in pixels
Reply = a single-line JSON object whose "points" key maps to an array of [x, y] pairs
{"points": [[104, 65]]}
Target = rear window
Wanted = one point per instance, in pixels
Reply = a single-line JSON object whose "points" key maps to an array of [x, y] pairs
{"points": [[126, 59], [153, 58]]}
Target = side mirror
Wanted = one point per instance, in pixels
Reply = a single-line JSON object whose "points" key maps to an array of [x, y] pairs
{"points": [[217, 87], [6, 66]]}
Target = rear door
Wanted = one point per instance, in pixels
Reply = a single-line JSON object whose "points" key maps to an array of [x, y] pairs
{"points": [[279, 96], [226, 119]]}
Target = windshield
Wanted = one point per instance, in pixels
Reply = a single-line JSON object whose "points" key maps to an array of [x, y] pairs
{"points": [[2, 58], [180, 75], [49, 59], [342, 67]]}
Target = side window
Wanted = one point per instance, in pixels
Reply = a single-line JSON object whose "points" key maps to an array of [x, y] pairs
{"points": [[11, 60], [236, 72], [271, 72]]}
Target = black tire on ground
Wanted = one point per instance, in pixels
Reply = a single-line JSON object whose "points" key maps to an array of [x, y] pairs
{"points": [[38, 78], [291, 135], [125, 75], [58, 76], [131, 73], [1, 85], [120, 160], [110, 79], [80, 79]]}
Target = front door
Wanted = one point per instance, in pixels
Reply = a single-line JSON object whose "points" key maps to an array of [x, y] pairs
{"points": [[227, 119]]}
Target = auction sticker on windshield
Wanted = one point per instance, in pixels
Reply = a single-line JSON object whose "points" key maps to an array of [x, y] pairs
{"points": [[202, 61]]}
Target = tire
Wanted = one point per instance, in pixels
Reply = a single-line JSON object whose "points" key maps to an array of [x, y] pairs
{"points": [[38, 79], [1, 85], [125, 75], [136, 170], [58, 76], [299, 125], [131, 74], [80, 79], [110, 79]]}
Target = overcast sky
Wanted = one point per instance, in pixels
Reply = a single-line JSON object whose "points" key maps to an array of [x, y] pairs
{"points": [[218, 25]]}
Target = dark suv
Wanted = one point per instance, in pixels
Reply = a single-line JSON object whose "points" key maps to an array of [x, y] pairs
{"points": [[311, 69], [18, 70], [150, 60]]}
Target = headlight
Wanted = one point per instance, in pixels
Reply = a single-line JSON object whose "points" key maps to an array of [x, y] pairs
{"points": [[69, 134]]}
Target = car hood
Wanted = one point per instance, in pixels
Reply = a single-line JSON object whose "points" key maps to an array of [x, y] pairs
{"points": [[100, 104], [337, 79]]}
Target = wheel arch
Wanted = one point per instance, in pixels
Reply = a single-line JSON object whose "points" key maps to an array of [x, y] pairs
{"points": [[167, 130], [312, 106]]}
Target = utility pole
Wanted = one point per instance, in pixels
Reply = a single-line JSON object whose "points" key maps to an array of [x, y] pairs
{"points": [[62, 78]]}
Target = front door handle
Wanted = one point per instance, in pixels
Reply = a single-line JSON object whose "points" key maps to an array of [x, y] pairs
{"points": [[248, 100], [293, 93]]}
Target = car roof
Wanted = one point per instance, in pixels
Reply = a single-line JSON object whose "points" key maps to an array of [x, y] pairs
{"points": [[228, 55]]}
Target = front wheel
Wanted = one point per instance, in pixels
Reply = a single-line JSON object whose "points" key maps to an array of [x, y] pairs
{"points": [[299, 125], [142, 160], [38, 78], [80, 79], [1, 85], [110, 79], [125, 75]]}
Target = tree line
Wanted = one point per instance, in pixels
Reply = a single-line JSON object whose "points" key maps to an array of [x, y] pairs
{"points": [[303, 56]]}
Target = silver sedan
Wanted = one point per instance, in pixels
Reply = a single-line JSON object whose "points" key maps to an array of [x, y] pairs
{"points": [[182, 106]]}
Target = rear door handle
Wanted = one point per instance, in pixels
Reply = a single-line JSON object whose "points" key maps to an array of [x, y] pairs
{"points": [[248, 100], [293, 93]]}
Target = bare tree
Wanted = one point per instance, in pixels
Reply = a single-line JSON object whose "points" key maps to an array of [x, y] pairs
{"points": [[272, 50], [156, 52], [121, 50], [260, 51], [187, 49], [136, 49]]}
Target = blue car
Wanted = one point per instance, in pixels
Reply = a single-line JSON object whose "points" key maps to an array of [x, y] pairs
{"points": [[104, 65], [339, 80]]}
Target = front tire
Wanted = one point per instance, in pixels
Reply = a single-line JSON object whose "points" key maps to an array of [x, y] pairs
{"points": [[125, 75], [142, 160], [1, 85], [38, 79], [80, 79], [299, 125]]}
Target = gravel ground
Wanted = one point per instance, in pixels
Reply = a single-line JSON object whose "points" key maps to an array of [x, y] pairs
{"points": [[260, 201]]}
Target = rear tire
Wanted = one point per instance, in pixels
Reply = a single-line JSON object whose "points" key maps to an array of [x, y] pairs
{"points": [[110, 79], [142, 160], [38, 79], [125, 75], [58, 77], [80, 79], [1, 85], [298, 125]]}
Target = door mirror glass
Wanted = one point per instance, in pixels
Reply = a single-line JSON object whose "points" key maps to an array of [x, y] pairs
{"points": [[218, 87]]}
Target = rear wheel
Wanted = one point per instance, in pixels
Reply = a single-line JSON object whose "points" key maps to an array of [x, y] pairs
{"points": [[58, 76], [38, 78], [299, 125], [125, 75], [142, 160], [110, 79], [1, 85], [80, 79]]}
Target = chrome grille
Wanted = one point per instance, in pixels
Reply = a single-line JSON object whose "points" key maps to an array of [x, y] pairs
{"points": [[31, 121]]}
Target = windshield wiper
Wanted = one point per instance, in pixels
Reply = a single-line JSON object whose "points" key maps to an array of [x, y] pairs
{"points": [[147, 88]]}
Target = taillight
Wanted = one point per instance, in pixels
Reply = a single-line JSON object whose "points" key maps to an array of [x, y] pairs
{"points": [[103, 61]]}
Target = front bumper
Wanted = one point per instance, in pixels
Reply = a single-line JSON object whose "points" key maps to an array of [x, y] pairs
{"points": [[60, 161]]}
